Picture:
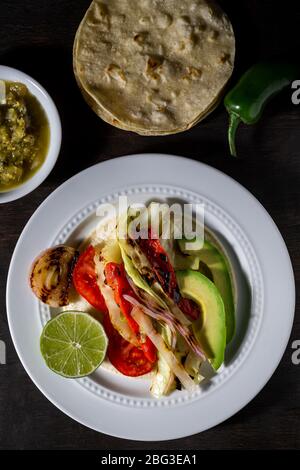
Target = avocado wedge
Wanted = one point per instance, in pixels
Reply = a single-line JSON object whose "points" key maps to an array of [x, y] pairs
{"points": [[215, 261], [210, 328]]}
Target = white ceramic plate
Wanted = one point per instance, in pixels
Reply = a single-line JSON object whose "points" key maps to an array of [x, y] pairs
{"points": [[122, 406]]}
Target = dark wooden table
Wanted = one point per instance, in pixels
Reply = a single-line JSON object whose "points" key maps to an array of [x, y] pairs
{"points": [[36, 36]]}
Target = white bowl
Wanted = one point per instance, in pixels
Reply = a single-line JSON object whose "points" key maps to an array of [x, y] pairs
{"points": [[10, 74]]}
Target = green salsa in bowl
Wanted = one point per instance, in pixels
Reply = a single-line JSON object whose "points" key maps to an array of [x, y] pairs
{"points": [[24, 134], [30, 134]]}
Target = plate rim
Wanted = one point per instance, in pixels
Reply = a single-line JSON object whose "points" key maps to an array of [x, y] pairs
{"points": [[179, 160]]}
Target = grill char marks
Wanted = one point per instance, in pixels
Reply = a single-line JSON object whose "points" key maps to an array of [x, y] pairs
{"points": [[164, 273], [51, 275]]}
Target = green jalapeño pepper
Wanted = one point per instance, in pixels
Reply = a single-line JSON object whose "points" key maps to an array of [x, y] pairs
{"points": [[247, 100]]}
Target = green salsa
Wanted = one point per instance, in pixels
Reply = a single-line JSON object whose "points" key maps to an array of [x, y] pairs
{"points": [[24, 135]]}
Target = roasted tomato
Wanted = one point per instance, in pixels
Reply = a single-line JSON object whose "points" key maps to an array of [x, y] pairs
{"points": [[126, 358], [116, 278], [85, 280], [165, 274]]}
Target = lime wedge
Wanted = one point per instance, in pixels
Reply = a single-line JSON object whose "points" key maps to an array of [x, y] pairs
{"points": [[73, 344]]}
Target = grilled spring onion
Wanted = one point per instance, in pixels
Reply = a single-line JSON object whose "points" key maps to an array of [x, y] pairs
{"points": [[51, 275], [147, 328], [151, 308], [163, 382]]}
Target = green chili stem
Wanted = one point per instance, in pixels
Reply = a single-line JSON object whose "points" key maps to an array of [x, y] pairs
{"points": [[233, 125]]}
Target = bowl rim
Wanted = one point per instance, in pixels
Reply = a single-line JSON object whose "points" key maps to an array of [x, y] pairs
{"points": [[12, 74]]}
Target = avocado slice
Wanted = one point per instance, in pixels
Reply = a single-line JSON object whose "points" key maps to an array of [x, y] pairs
{"points": [[191, 247], [218, 267], [210, 328], [182, 262]]}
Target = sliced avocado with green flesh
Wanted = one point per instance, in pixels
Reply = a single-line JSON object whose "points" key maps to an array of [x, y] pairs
{"points": [[204, 269], [210, 328], [218, 267], [191, 247], [221, 277], [182, 262]]}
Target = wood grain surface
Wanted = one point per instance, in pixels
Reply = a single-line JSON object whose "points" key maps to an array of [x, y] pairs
{"points": [[36, 36]]}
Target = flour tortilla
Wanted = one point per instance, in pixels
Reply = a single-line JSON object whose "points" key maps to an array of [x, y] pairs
{"points": [[154, 67]]}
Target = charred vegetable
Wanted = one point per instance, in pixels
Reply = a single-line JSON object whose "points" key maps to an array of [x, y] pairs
{"points": [[51, 275], [166, 353], [116, 279], [85, 280]]}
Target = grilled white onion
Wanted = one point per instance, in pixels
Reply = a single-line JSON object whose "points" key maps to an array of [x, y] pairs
{"points": [[51, 275]]}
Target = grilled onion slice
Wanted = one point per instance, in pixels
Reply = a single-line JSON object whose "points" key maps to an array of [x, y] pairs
{"points": [[51, 275]]}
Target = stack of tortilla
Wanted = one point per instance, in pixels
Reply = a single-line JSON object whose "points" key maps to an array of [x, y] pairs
{"points": [[154, 67]]}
